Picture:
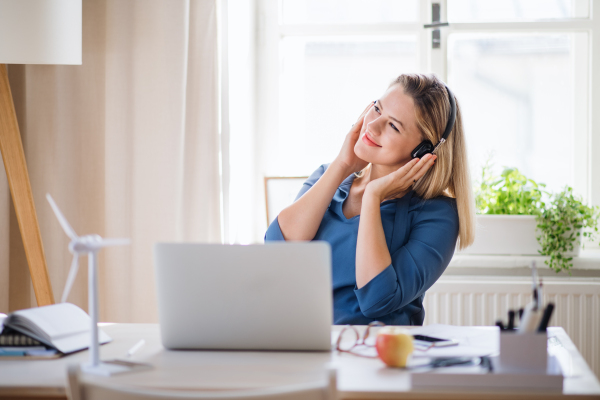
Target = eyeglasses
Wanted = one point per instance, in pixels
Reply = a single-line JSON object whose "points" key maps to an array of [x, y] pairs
{"points": [[360, 342]]}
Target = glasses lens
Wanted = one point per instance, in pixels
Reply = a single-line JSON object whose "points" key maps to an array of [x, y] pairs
{"points": [[348, 338]]}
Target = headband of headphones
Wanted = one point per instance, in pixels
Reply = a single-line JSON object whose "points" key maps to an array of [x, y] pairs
{"points": [[451, 118], [426, 147]]}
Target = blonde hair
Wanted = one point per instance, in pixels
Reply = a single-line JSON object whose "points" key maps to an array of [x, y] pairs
{"points": [[450, 174]]}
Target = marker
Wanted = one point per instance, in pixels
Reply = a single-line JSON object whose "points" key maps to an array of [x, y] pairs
{"points": [[541, 292], [511, 320], [546, 318]]}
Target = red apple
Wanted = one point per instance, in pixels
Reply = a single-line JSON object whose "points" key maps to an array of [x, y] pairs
{"points": [[394, 346]]}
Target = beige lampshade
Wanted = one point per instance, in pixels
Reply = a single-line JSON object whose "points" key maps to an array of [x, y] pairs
{"points": [[40, 31]]}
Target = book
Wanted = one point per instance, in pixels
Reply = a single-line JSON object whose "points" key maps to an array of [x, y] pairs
{"points": [[63, 327]]}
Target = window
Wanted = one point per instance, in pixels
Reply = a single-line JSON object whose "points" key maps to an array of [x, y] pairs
{"points": [[521, 71]]}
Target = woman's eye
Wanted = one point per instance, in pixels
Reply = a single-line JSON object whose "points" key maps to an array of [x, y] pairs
{"points": [[376, 108], [396, 129]]}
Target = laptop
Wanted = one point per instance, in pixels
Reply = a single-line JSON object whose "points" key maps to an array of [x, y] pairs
{"points": [[274, 296]]}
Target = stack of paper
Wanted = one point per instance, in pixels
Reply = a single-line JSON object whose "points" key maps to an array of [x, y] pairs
{"points": [[476, 342]]}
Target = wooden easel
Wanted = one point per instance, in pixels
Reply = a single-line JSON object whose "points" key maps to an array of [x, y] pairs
{"points": [[20, 188]]}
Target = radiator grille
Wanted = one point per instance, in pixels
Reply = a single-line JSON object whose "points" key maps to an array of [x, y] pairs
{"points": [[482, 302]]}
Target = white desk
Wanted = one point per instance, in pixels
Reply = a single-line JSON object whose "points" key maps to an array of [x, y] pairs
{"points": [[358, 378]]}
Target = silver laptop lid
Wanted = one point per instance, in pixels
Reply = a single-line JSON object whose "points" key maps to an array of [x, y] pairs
{"points": [[275, 296]]}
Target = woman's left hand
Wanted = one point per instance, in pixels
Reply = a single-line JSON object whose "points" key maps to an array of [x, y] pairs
{"points": [[400, 181]]}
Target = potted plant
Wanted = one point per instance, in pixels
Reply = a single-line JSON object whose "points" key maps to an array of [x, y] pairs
{"points": [[507, 206], [561, 226], [514, 219]]}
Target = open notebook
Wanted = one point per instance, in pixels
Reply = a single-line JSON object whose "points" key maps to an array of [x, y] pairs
{"points": [[64, 327]]}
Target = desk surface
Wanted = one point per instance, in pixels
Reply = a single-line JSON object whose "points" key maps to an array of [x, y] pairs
{"points": [[358, 378]]}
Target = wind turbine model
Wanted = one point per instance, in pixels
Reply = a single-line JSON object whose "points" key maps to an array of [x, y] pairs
{"points": [[89, 244]]}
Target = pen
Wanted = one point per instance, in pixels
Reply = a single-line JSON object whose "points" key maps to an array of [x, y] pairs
{"points": [[450, 361], [500, 325], [135, 347], [441, 362], [486, 362], [534, 285], [531, 319], [546, 318]]}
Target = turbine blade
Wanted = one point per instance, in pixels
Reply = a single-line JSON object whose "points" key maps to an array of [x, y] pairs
{"points": [[61, 218], [71, 277], [114, 242]]}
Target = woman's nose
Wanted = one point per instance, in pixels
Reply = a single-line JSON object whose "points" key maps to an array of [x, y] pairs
{"points": [[375, 126]]}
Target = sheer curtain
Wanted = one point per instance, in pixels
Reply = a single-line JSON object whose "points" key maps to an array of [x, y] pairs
{"points": [[128, 146]]}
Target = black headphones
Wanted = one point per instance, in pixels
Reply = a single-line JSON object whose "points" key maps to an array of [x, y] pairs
{"points": [[426, 146]]}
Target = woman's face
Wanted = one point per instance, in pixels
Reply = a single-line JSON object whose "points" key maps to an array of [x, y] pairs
{"points": [[389, 132]]}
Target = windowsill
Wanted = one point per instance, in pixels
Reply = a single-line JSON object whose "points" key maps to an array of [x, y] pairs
{"points": [[586, 265]]}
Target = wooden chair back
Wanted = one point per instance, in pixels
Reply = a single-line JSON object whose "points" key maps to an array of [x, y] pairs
{"points": [[79, 389]]}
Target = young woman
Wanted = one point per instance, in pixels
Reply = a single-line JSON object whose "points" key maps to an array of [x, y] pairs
{"points": [[393, 221]]}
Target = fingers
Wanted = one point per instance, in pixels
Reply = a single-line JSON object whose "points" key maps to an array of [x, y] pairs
{"points": [[415, 169], [367, 108], [421, 167], [403, 178], [357, 126], [362, 115]]}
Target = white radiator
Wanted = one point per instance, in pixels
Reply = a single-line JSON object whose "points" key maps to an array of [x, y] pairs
{"points": [[481, 301]]}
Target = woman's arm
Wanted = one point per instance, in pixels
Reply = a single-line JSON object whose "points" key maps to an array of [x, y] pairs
{"points": [[301, 220], [372, 254], [416, 265]]}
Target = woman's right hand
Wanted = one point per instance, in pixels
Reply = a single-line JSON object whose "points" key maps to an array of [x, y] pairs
{"points": [[301, 219], [347, 159]]}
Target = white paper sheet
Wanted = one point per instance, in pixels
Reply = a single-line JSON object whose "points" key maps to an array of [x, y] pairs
{"points": [[473, 341]]}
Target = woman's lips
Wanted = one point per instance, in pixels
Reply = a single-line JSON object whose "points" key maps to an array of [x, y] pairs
{"points": [[368, 140]]}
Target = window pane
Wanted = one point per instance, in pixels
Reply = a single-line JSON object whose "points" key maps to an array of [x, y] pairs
{"points": [[348, 11], [325, 84], [492, 10], [516, 95]]}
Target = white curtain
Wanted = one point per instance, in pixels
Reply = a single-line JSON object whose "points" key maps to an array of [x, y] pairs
{"points": [[128, 146]]}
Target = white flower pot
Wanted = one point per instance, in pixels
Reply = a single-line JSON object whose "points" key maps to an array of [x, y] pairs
{"points": [[508, 235]]}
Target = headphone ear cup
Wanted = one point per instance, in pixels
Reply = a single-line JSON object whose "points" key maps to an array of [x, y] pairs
{"points": [[423, 148]]}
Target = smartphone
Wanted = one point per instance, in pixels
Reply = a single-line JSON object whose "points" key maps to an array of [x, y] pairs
{"points": [[436, 342]]}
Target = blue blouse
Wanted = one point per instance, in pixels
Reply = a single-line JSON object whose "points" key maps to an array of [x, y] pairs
{"points": [[421, 237]]}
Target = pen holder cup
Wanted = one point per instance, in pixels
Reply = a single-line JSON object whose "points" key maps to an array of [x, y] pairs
{"points": [[523, 353]]}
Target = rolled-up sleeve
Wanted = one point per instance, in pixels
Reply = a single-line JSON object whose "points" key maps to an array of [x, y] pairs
{"points": [[274, 230], [417, 265]]}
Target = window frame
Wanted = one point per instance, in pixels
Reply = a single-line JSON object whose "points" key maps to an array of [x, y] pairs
{"points": [[587, 83]]}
